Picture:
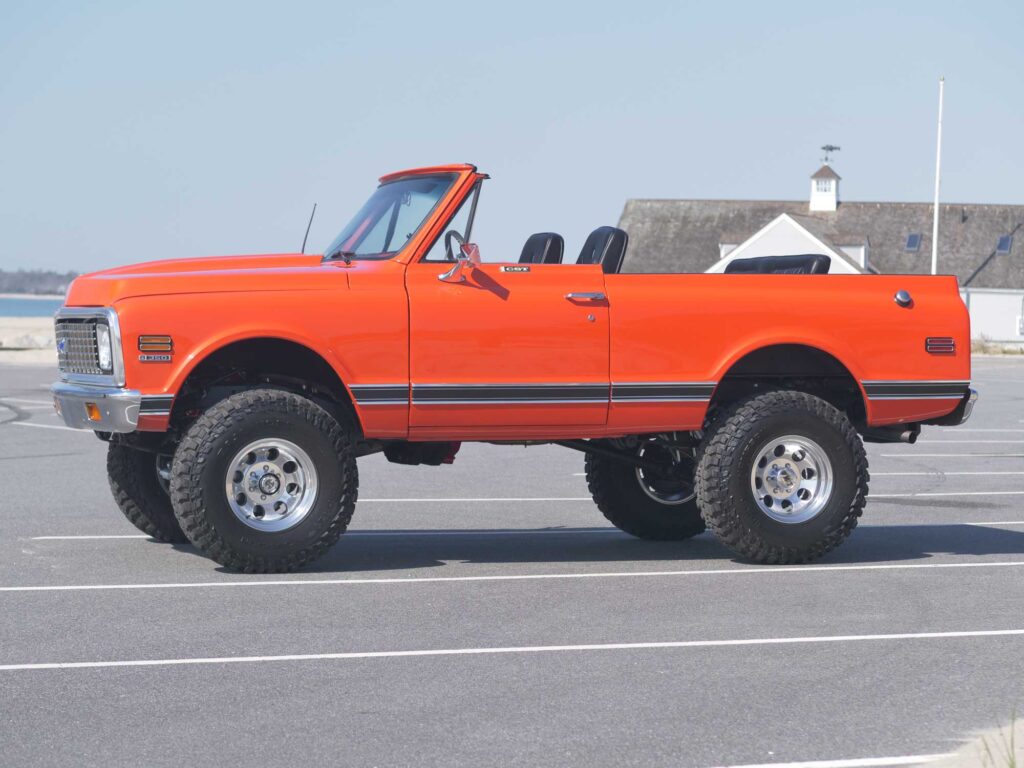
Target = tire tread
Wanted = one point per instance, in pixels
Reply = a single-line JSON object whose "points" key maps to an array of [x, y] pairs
{"points": [[719, 506], [190, 458]]}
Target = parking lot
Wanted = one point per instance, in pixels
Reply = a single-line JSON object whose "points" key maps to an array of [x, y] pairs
{"points": [[485, 614]]}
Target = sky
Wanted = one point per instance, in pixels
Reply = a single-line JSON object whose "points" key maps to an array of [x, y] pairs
{"points": [[132, 131]]}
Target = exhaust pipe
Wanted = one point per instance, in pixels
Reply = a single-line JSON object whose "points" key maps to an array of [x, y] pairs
{"points": [[899, 434]]}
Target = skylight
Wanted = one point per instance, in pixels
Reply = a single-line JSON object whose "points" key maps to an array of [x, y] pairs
{"points": [[1004, 244], [913, 244]]}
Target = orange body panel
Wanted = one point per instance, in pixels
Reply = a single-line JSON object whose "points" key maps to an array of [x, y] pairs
{"points": [[506, 356]]}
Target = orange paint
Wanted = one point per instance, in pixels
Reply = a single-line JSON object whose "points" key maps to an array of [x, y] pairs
{"points": [[506, 356]]}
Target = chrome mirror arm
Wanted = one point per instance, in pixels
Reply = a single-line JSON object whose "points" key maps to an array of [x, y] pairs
{"points": [[454, 275]]}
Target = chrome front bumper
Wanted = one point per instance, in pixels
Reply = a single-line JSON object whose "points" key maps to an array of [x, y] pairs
{"points": [[112, 409]]}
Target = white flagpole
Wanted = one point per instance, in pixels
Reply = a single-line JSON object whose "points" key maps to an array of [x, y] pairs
{"points": [[938, 167]]}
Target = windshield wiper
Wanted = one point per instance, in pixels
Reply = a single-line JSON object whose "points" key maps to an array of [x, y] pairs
{"points": [[346, 255]]}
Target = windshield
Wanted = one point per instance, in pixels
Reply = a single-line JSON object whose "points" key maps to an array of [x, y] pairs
{"points": [[392, 215]]}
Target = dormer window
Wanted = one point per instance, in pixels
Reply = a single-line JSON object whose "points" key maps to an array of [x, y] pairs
{"points": [[823, 185], [913, 244]]}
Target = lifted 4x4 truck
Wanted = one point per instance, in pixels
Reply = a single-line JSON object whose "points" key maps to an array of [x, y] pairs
{"points": [[236, 393]]}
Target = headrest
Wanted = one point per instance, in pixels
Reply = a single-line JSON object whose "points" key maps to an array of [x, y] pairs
{"points": [[605, 246], [543, 248], [803, 264]]}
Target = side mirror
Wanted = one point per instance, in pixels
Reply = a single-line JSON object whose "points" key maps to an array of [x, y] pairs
{"points": [[467, 257], [471, 253]]}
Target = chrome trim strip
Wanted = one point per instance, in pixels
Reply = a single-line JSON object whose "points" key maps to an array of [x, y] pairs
{"points": [[956, 396], [509, 402], [156, 405], [662, 391], [866, 382], [533, 393], [915, 390]]}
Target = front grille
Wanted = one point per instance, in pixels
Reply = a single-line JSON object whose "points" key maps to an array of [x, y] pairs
{"points": [[76, 346]]}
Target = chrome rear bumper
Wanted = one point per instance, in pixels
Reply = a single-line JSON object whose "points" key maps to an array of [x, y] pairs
{"points": [[112, 409], [967, 405]]}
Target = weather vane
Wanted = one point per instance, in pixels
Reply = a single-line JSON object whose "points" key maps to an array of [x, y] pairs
{"points": [[829, 149]]}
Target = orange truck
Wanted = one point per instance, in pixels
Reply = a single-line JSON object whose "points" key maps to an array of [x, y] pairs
{"points": [[236, 393]]}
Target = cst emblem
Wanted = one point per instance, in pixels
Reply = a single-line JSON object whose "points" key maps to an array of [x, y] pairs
{"points": [[154, 358], [515, 268]]}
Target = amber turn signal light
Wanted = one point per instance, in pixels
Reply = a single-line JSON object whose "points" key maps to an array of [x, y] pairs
{"points": [[156, 344], [93, 412]]}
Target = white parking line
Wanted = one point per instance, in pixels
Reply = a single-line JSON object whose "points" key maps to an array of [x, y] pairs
{"points": [[910, 455], [48, 403], [998, 522], [48, 426], [857, 762], [938, 472], [406, 532], [944, 493], [480, 500], [986, 429], [968, 442], [96, 536], [780, 569], [513, 650]]}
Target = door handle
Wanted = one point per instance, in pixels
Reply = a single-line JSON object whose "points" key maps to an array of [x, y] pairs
{"points": [[586, 296]]}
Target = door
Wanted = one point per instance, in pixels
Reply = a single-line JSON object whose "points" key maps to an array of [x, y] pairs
{"points": [[513, 345]]}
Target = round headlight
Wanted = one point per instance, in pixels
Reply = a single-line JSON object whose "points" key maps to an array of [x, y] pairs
{"points": [[105, 352]]}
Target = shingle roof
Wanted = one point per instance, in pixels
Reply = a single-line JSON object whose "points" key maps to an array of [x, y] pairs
{"points": [[683, 235], [825, 172]]}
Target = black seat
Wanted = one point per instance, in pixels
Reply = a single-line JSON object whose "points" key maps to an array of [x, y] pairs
{"points": [[802, 264], [605, 246], [543, 248]]}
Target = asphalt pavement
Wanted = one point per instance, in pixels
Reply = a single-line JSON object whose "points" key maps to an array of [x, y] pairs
{"points": [[486, 614]]}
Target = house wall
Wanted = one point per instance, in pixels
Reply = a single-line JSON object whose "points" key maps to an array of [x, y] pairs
{"points": [[856, 252], [996, 314]]}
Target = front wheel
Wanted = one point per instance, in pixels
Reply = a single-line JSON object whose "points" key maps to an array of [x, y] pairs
{"points": [[140, 493], [656, 502], [782, 477], [264, 481]]}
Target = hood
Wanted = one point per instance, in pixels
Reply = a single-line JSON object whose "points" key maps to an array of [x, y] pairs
{"points": [[218, 274]]}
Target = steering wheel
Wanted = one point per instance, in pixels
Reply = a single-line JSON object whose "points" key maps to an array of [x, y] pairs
{"points": [[448, 237]]}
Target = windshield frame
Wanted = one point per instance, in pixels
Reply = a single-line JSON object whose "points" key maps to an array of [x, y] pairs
{"points": [[454, 185]]}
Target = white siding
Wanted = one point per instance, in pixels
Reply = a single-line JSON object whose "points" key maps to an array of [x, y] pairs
{"points": [[995, 313]]}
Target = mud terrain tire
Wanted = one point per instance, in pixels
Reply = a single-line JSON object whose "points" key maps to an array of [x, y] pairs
{"points": [[139, 494], [621, 499], [200, 470], [737, 439]]}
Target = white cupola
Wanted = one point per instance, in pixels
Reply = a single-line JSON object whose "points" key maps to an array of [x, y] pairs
{"points": [[824, 189]]}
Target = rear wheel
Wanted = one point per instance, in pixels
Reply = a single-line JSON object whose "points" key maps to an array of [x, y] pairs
{"points": [[141, 494], [782, 478], [654, 502], [265, 481]]}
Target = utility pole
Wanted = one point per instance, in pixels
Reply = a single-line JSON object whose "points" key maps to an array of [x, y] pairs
{"points": [[938, 168]]}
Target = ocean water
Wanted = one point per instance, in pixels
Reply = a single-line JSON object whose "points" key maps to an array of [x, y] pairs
{"points": [[18, 307]]}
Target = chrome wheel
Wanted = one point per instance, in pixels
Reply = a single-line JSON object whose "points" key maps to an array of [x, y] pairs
{"points": [[791, 479], [271, 485], [673, 485]]}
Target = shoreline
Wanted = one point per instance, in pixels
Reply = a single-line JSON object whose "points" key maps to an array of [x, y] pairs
{"points": [[39, 296]]}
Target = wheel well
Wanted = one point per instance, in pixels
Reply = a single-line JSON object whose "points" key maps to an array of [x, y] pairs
{"points": [[792, 366], [259, 361]]}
